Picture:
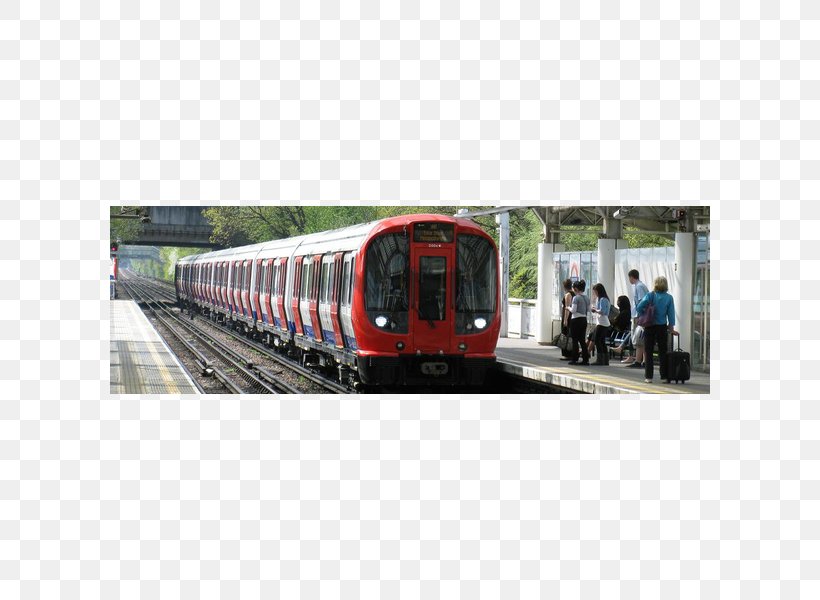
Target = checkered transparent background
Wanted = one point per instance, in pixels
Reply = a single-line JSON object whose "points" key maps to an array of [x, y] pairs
{"points": [[413, 497]]}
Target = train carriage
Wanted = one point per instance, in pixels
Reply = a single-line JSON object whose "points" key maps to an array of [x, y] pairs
{"points": [[401, 301]]}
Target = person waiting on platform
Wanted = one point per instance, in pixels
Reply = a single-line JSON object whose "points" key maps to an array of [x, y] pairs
{"points": [[578, 323], [664, 323], [600, 308], [566, 301], [639, 292]]}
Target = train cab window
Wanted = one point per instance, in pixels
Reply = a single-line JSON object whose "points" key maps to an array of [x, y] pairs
{"points": [[476, 284], [387, 277], [433, 288]]}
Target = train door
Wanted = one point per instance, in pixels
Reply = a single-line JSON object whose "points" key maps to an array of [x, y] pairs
{"points": [[346, 300], [335, 300], [256, 292], [431, 317], [246, 283], [315, 278], [211, 297], [280, 294], [296, 294], [304, 304], [223, 277], [267, 313], [325, 293], [236, 281]]}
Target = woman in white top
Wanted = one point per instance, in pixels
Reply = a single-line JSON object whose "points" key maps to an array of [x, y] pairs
{"points": [[600, 308], [578, 323]]}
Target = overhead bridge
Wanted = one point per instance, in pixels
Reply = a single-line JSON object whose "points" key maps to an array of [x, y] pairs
{"points": [[174, 226]]}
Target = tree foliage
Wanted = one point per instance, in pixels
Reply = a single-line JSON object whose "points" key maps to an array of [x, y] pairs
{"points": [[125, 230], [242, 225]]}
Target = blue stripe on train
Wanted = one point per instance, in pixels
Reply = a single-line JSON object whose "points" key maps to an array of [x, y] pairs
{"points": [[308, 330], [350, 342], [329, 336], [276, 321]]}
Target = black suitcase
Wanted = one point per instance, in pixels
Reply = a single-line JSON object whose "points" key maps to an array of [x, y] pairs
{"points": [[678, 365]]}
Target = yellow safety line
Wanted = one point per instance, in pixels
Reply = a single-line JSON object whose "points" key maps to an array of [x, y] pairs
{"points": [[157, 357], [611, 380]]}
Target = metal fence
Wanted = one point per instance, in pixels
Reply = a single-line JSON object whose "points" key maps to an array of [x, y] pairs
{"points": [[521, 317]]}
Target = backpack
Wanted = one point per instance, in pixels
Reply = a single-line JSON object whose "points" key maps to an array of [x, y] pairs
{"points": [[614, 313]]}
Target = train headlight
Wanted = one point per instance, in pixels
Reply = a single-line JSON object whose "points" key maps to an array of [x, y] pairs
{"points": [[480, 323], [399, 345], [381, 321], [462, 346]]}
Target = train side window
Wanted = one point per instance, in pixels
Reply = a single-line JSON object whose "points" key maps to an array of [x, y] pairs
{"points": [[283, 272], [317, 272], [306, 278], [352, 281], [345, 300], [331, 280], [325, 281], [297, 279]]}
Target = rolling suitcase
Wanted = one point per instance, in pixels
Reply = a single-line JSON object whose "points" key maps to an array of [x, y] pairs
{"points": [[678, 365]]}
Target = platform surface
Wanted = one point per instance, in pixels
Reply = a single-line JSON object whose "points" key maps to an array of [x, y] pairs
{"points": [[525, 358], [141, 362]]}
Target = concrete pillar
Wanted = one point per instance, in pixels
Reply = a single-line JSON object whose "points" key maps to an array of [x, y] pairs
{"points": [[606, 267], [503, 221], [547, 293], [543, 307], [682, 287]]}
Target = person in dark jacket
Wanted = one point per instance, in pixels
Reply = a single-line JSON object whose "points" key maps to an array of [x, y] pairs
{"points": [[566, 301], [624, 320], [578, 323]]}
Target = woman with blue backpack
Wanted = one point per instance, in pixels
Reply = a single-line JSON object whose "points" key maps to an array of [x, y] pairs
{"points": [[656, 312]]}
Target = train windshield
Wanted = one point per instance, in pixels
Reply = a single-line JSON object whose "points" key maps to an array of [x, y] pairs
{"points": [[387, 275], [477, 278]]}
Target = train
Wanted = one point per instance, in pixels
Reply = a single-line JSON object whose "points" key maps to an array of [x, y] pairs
{"points": [[403, 301]]}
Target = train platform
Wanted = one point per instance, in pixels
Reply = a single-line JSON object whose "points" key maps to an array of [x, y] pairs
{"points": [[141, 362], [527, 359]]}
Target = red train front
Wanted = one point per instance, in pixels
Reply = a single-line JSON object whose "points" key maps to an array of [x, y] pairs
{"points": [[402, 301], [426, 309]]}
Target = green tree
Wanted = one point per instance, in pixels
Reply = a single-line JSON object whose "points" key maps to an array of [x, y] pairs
{"points": [[125, 229], [243, 225], [169, 255]]}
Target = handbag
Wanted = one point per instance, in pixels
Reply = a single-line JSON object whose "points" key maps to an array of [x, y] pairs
{"points": [[564, 342], [637, 335], [647, 319]]}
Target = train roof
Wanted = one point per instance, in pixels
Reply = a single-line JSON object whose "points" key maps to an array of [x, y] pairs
{"points": [[337, 240]]}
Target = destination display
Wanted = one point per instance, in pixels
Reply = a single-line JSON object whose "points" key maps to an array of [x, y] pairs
{"points": [[433, 232]]}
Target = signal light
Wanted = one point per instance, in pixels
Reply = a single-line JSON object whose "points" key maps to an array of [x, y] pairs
{"points": [[115, 246]]}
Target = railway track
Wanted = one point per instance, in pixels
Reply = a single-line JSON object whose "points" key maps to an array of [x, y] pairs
{"points": [[203, 327], [236, 372]]}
